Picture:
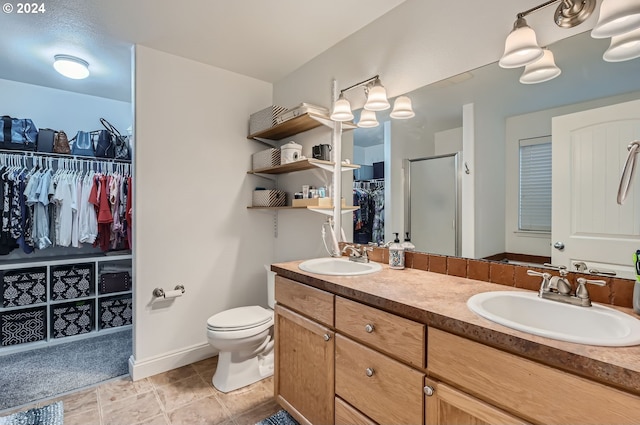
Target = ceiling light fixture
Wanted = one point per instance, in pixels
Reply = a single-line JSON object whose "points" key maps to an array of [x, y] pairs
{"points": [[617, 18], [71, 66], [376, 101], [402, 108]]}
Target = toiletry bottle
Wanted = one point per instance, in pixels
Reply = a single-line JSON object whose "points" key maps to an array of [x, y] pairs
{"points": [[407, 245], [396, 254]]}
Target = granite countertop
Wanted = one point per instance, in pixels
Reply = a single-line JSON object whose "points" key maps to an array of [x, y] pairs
{"points": [[439, 301]]}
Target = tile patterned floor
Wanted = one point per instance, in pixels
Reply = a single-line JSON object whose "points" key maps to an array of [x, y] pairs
{"points": [[183, 396]]}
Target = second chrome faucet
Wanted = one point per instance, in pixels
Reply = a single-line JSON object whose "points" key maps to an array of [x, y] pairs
{"points": [[558, 288]]}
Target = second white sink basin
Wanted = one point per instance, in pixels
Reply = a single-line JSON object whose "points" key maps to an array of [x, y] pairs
{"points": [[338, 267], [595, 325]]}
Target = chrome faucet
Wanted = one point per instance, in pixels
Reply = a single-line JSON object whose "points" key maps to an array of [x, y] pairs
{"points": [[558, 288], [358, 253]]}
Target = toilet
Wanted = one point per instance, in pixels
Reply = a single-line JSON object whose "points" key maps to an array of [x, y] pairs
{"points": [[244, 338]]}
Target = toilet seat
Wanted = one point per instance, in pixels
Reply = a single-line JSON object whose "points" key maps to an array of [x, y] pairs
{"points": [[240, 318]]}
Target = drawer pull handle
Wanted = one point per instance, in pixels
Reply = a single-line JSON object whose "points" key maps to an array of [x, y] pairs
{"points": [[369, 372], [428, 390], [369, 328], [326, 337]]}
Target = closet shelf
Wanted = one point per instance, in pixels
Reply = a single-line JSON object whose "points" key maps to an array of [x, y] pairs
{"points": [[297, 125], [304, 164]]}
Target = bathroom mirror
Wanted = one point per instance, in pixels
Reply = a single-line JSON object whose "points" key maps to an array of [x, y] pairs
{"points": [[586, 82]]}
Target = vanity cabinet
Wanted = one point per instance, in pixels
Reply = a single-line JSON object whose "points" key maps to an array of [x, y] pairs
{"points": [[535, 392], [304, 352], [444, 405]]}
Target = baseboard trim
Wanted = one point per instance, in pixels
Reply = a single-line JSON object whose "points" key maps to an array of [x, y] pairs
{"points": [[140, 369]]}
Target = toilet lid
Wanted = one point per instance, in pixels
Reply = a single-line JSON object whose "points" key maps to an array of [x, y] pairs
{"points": [[240, 318]]}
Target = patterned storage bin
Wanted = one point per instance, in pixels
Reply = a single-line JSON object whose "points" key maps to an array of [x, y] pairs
{"points": [[71, 319], [71, 281], [116, 311], [265, 159], [269, 198], [264, 119], [19, 327], [24, 287]]}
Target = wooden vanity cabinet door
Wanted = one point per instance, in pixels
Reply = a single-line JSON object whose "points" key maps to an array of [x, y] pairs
{"points": [[446, 406], [304, 367], [348, 415]]}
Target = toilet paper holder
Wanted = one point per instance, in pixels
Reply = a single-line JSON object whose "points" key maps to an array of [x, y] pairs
{"points": [[159, 292]]}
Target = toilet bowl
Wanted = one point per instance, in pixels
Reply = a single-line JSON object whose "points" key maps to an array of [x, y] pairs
{"points": [[243, 337]]}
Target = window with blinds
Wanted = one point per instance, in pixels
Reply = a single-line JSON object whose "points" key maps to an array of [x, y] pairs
{"points": [[534, 205]]}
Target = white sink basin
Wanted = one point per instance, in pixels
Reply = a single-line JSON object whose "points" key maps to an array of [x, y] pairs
{"points": [[595, 325], [338, 267]]}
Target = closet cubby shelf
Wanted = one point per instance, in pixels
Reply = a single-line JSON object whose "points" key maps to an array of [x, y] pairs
{"points": [[296, 125], [304, 164]]}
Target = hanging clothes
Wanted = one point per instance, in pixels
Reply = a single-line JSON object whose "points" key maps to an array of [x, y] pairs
{"points": [[368, 220]]}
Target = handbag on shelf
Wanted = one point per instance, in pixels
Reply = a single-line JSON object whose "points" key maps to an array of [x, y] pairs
{"points": [[105, 148], [120, 142], [18, 133], [82, 144], [61, 143], [46, 137]]}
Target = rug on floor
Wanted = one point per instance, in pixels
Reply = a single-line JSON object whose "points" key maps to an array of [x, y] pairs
{"points": [[281, 417], [52, 414], [46, 372]]}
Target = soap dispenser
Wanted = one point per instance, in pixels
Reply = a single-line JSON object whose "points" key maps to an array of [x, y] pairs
{"points": [[396, 254], [407, 245]]}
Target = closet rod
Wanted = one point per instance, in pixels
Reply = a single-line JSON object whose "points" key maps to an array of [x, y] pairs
{"points": [[63, 156]]}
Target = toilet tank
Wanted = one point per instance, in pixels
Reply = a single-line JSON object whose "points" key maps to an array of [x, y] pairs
{"points": [[271, 283]]}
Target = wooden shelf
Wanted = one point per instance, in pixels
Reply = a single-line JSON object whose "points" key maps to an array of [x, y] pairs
{"points": [[304, 164], [324, 210], [296, 125]]}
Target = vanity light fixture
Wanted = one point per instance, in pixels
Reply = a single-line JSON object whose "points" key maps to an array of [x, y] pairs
{"points": [[71, 66], [368, 119], [402, 108], [376, 101], [623, 47], [618, 19], [544, 69]]}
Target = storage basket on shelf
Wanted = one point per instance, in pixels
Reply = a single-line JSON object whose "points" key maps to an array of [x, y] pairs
{"points": [[264, 119], [110, 282], [19, 327], [269, 198], [24, 287], [71, 281], [265, 159], [71, 319], [116, 311]]}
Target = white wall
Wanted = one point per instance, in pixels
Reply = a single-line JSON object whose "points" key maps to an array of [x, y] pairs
{"points": [[62, 110], [192, 226], [448, 141], [416, 44]]}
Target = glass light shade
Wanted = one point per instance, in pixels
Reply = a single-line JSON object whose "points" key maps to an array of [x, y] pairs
{"points": [[71, 67], [377, 98], [623, 47], [616, 18], [368, 119], [402, 108], [521, 47], [341, 109], [542, 70]]}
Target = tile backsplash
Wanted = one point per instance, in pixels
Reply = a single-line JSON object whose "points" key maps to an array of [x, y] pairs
{"points": [[617, 292]]}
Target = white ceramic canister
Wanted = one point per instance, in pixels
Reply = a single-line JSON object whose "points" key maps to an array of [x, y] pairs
{"points": [[290, 152]]}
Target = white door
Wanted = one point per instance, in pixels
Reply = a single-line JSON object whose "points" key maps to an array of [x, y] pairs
{"points": [[589, 150]]}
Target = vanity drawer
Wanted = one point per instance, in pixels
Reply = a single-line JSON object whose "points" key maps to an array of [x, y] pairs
{"points": [[311, 302], [530, 390], [394, 335], [347, 415], [391, 395]]}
